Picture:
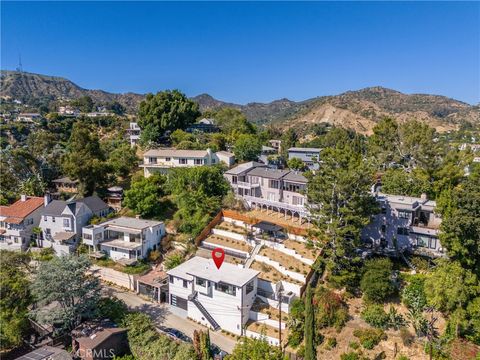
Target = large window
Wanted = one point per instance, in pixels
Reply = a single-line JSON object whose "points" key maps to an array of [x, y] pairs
{"points": [[183, 161], [250, 287], [273, 184], [402, 231], [185, 283], [200, 282], [404, 214], [66, 223], [297, 200], [226, 288], [198, 161]]}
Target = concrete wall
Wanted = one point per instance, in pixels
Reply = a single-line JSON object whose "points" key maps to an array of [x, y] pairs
{"points": [[116, 277], [229, 234]]}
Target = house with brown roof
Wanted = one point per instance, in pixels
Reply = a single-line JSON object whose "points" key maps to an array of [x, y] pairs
{"points": [[95, 340], [18, 220]]}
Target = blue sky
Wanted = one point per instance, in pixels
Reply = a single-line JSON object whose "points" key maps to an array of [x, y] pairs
{"points": [[244, 52]]}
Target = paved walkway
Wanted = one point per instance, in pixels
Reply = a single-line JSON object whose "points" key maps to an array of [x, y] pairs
{"points": [[161, 316], [250, 260]]}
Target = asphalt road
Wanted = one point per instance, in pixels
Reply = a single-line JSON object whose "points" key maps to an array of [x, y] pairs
{"points": [[161, 315]]}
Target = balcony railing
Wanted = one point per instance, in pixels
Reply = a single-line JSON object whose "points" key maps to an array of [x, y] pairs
{"points": [[247, 184], [297, 208]]}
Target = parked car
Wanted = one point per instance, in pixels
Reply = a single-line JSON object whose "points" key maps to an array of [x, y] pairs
{"points": [[218, 354], [176, 334]]}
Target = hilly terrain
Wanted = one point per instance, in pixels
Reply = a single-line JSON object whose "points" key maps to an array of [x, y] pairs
{"points": [[358, 110]]}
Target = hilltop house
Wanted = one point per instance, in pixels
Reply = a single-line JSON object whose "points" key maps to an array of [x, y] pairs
{"points": [[309, 156], [61, 222], [273, 189], [133, 132], [161, 160], [65, 185], [405, 223], [218, 298], [17, 222], [203, 126], [124, 239]]}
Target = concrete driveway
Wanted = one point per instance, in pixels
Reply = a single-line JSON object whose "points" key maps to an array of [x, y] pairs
{"points": [[161, 316]]}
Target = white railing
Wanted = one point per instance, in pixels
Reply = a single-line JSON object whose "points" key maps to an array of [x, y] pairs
{"points": [[300, 209], [247, 184]]}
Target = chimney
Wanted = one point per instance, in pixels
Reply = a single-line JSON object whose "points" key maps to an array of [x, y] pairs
{"points": [[23, 197], [46, 199], [423, 197]]}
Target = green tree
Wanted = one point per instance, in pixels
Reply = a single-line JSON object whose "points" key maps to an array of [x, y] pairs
{"points": [[65, 282], [450, 286], [233, 122], [376, 283], [413, 295], [460, 228], [116, 108], [341, 206], [15, 298], [296, 323], [255, 349], [144, 195], [167, 110], [400, 182], [84, 159], [122, 159], [295, 164], [84, 103], [179, 136], [173, 260], [310, 344], [289, 139], [384, 143], [247, 148], [330, 309]]}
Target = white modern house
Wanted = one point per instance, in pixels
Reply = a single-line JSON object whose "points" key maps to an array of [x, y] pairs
{"points": [[405, 223], [264, 188], [124, 239], [309, 156], [17, 222], [133, 132], [217, 298], [62, 221], [161, 160]]}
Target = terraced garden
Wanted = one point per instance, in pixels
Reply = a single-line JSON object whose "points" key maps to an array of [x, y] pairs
{"points": [[269, 273], [264, 308], [302, 249], [267, 330], [287, 261], [227, 242], [224, 225]]}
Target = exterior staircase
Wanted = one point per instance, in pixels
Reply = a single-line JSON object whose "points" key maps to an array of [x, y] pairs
{"points": [[193, 298], [255, 251]]}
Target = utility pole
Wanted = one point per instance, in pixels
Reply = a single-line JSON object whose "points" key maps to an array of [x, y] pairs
{"points": [[279, 291]]}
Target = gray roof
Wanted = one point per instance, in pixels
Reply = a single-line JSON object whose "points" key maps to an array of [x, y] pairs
{"points": [[295, 176], [206, 269], [46, 353], [300, 149], [131, 223], [55, 208], [94, 203], [239, 169], [268, 173]]}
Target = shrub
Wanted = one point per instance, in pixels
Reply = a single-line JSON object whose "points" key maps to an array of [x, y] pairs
{"points": [[331, 309], [113, 309], [354, 345], [350, 356], [403, 357], [375, 316], [420, 263], [330, 343], [369, 338], [173, 260], [413, 295], [154, 255], [395, 320], [376, 283]]}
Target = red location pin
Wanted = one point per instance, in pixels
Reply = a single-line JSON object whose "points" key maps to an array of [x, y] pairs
{"points": [[218, 255]]}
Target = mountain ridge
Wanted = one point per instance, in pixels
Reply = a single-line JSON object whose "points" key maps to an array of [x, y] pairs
{"points": [[355, 109]]}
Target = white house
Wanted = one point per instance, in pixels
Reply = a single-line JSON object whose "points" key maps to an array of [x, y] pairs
{"points": [[218, 298], [226, 157], [124, 239], [309, 156], [28, 117], [68, 110], [134, 132], [405, 223], [161, 160], [61, 222], [17, 222]]}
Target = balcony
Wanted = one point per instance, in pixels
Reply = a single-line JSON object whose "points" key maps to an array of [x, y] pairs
{"points": [[247, 185], [278, 204]]}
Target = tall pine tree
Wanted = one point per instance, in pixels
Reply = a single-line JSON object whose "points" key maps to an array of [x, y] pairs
{"points": [[310, 347]]}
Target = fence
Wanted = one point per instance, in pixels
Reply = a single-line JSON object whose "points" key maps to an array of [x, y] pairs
{"points": [[205, 232]]}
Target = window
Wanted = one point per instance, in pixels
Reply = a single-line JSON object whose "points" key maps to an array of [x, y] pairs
{"points": [[200, 282], [402, 231], [422, 241], [152, 160], [249, 287], [170, 278], [87, 236], [297, 200], [273, 184], [403, 214], [48, 231], [185, 283], [227, 288], [432, 243], [182, 161], [167, 159], [198, 161], [66, 223], [53, 218], [234, 179], [213, 161], [45, 218], [292, 187]]}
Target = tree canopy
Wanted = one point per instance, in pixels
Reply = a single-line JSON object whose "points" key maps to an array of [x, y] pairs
{"points": [[247, 148]]}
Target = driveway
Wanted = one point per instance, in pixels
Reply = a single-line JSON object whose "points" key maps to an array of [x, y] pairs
{"points": [[161, 316]]}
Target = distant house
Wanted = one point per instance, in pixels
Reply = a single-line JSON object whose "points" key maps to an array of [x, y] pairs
{"points": [[309, 156], [114, 197], [99, 340], [405, 223], [204, 126], [68, 110], [61, 222], [265, 188], [66, 185], [473, 147], [98, 114], [226, 157], [124, 239], [133, 132], [217, 298], [276, 144], [18, 220], [161, 160], [267, 151], [28, 117]]}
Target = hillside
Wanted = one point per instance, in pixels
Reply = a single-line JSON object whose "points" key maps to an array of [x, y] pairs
{"points": [[358, 110]]}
